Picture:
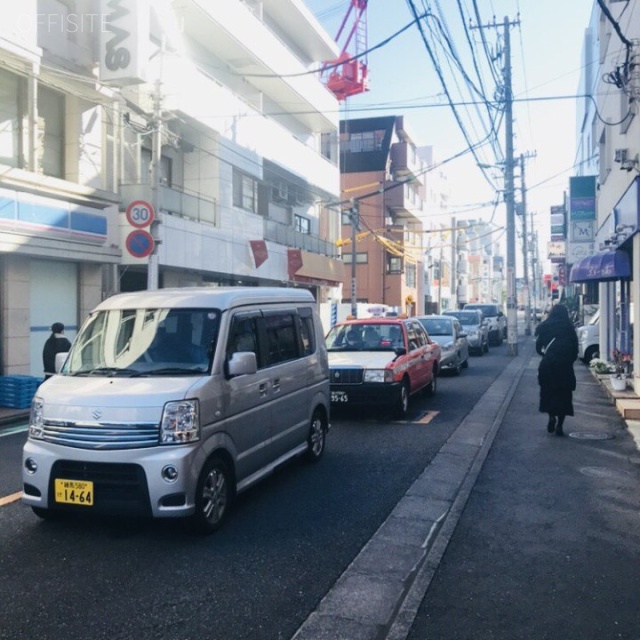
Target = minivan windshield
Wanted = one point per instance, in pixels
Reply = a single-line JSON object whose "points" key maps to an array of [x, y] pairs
{"points": [[144, 342]]}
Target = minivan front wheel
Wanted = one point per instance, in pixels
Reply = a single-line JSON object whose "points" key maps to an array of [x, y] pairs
{"points": [[317, 436], [213, 495]]}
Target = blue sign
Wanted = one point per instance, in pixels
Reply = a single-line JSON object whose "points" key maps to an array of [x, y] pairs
{"points": [[140, 243]]}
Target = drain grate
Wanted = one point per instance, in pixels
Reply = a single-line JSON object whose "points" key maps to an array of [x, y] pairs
{"points": [[591, 435]]}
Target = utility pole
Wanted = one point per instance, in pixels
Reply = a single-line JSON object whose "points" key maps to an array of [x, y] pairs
{"points": [[525, 246], [153, 270], [509, 192], [355, 223], [512, 319]]}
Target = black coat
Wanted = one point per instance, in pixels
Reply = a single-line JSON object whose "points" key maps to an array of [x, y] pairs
{"points": [[56, 343], [556, 377]]}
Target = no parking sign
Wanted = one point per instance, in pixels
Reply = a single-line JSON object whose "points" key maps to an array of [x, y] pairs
{"points": [[140, 243]]}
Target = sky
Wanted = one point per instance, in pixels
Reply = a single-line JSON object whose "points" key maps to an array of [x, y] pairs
{"points": [[546, 56]]}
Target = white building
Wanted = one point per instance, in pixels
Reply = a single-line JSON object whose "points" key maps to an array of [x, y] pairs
{"points": [[609, 148], [221, 125]]}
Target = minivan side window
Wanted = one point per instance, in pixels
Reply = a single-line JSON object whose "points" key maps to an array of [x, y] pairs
{"points": [[306, 331], [282, 342], [244, 336]]}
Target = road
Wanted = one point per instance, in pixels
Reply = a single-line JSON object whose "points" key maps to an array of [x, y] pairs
{"points": [[286, 543]]}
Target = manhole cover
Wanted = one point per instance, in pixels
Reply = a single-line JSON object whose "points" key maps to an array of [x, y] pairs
{"points": [[591, 435], [605, 472]]}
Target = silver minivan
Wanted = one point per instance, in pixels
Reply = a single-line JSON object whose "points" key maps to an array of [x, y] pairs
{"points": [[173, 401]]}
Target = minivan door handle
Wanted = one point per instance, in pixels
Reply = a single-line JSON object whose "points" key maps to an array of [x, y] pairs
{"points": [[262, 389]]}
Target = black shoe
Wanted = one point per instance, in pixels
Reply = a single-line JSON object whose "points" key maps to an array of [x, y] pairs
{"points": [[551, 425], [559, 431]]}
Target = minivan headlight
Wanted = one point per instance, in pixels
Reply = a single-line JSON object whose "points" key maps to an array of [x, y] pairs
{"points": [[180, 422], [36, 419]]}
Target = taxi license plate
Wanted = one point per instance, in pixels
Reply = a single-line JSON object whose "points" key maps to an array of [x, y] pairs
{"points": [[74, 492], [339, 396]]}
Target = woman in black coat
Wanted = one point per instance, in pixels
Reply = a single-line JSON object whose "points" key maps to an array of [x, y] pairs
{"points": [[557, 343]]}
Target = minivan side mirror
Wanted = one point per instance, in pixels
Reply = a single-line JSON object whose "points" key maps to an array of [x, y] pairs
{"points": [[242, 363]]}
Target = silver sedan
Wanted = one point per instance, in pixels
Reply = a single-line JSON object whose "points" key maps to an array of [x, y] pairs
{"points": [[454, 346]]}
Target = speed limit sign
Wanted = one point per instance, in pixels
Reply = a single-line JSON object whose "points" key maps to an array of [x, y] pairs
{"points": [[140, 214]]}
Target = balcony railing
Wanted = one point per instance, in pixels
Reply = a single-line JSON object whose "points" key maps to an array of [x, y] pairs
{"points": [[289, 237], [175, 202]]}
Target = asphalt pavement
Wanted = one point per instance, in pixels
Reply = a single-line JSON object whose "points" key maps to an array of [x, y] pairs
{"points": [[510, 532]]}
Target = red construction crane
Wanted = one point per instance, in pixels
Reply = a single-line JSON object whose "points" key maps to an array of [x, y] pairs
{"points": [[347, 75]]}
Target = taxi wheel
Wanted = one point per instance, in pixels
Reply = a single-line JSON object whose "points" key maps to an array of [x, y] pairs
{"points": [[432, 387], [402, 404], [317, 437], [213, 496]]}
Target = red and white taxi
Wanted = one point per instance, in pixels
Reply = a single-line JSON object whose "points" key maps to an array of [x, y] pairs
{"points": [[381, 362]]}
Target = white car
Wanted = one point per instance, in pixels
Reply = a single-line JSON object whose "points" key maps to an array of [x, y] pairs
{"points": [[476, 328], [589, 339], [496, 319], [447, 332]]}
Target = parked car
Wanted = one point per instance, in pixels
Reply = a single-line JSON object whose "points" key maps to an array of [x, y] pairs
{"points": [[171, 402], [496, 318], [448, 333], [475, 326], [381, 362], [589, 339]]}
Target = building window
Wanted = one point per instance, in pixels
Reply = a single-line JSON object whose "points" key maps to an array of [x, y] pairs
{"points": [[51, 131], [166, 168], [301, 224], [361, 258], [410, 275], [394, 264], [10, 119], [245, 191], [362, 141]]}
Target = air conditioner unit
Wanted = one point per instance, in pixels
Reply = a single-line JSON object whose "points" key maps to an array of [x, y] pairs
{"points": [[280, 192], [300, 199], [620, 155]]}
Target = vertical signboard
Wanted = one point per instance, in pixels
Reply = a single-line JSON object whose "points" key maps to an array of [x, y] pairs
{"points": [[124, 41], [582, 217]]}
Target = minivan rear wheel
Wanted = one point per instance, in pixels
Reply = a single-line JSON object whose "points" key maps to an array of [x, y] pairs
{"points": [[317, 436], [214, 494]]}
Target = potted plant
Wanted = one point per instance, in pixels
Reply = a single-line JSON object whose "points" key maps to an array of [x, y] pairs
{"points": [[599, 366], [621, 364]]}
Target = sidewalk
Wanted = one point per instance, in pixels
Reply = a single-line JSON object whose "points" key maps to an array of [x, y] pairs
{"points": [[9, 416], [548, 544], [509, 533]]}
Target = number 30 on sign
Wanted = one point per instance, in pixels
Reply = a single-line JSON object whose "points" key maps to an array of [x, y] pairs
{"points": [[140, 214]]}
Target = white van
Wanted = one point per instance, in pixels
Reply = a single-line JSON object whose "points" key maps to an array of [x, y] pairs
{"points": [[589, 339], [171, 402]]}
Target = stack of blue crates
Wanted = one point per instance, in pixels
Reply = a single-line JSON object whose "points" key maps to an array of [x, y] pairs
{"points": [[18, 391]]}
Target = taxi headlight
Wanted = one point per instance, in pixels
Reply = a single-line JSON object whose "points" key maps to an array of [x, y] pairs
{"points": [[180, 422], [36, 420], [377, 375]]}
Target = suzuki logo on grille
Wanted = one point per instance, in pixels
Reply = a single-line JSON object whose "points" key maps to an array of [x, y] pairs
{"points": [[97, 414]]}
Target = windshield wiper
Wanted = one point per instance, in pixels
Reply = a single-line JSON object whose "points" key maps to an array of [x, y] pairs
{"points": [[168, 371], [107, 371]]}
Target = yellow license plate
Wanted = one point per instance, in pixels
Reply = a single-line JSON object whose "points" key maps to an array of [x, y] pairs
{"points": [[74, 492]]}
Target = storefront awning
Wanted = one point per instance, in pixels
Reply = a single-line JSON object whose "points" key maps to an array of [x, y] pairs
{"points": [[605, 266], [312, 268]]}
